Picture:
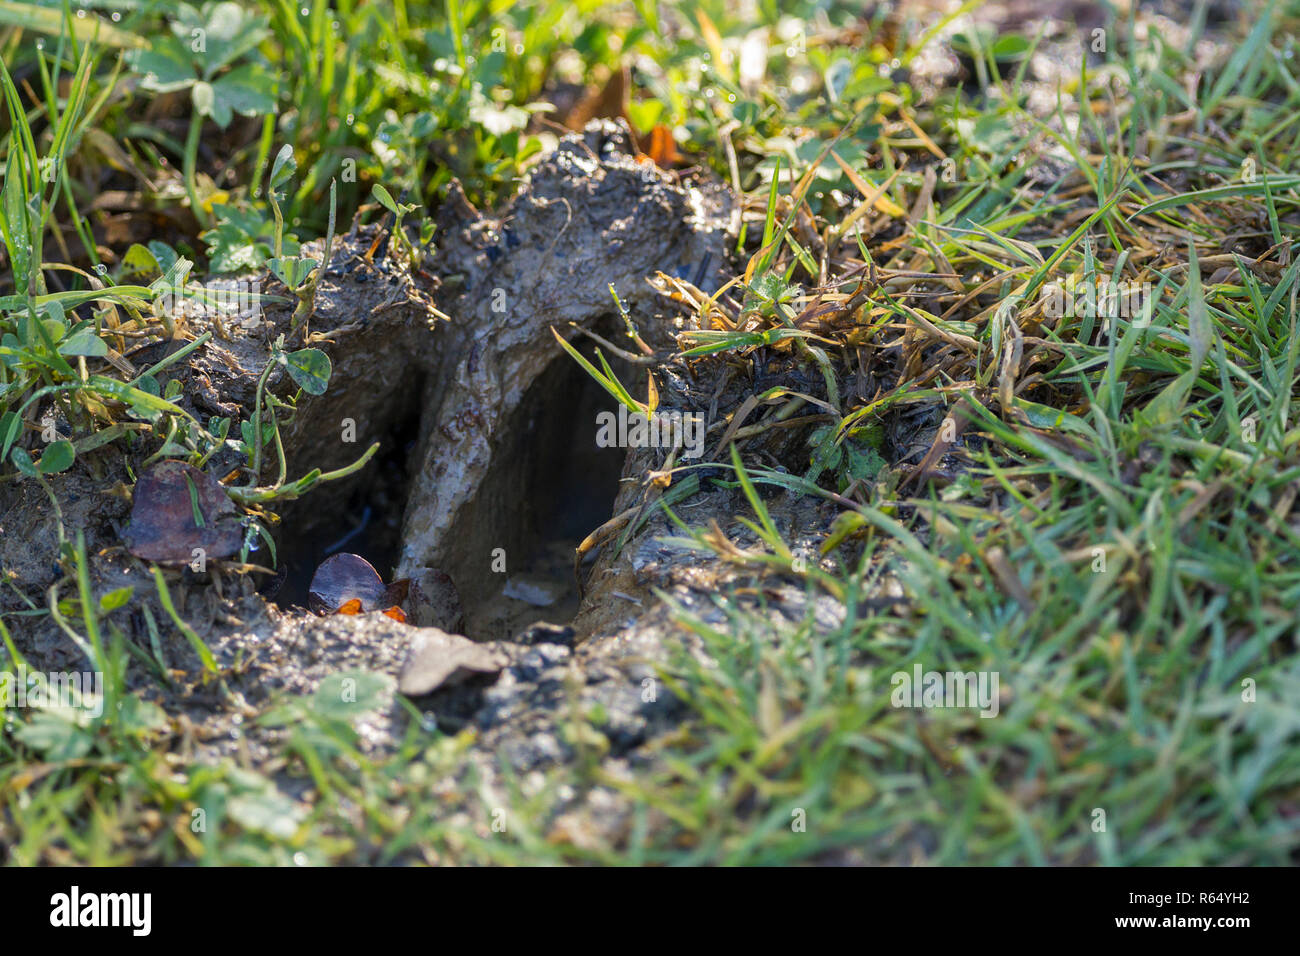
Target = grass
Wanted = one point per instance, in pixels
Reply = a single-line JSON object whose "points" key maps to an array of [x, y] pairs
{"points": [[1116, 537]]}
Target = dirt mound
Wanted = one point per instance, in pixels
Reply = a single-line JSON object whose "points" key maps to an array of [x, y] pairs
{"points": [[488, 429]]}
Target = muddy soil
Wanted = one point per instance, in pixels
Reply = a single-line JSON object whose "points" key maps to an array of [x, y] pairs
{"points": [[489, 475]]}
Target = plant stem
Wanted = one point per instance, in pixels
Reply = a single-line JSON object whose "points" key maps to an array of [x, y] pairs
{"points": [[247, 496], [257, 420], [190, 160]]}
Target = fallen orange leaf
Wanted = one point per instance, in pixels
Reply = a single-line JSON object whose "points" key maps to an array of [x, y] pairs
{"points": [[663, 148]]}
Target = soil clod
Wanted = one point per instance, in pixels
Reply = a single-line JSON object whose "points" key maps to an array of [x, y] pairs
{"points": [[180, 514]]}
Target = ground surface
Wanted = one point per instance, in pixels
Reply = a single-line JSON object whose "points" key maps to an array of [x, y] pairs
{"points": [[865, 249]]}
